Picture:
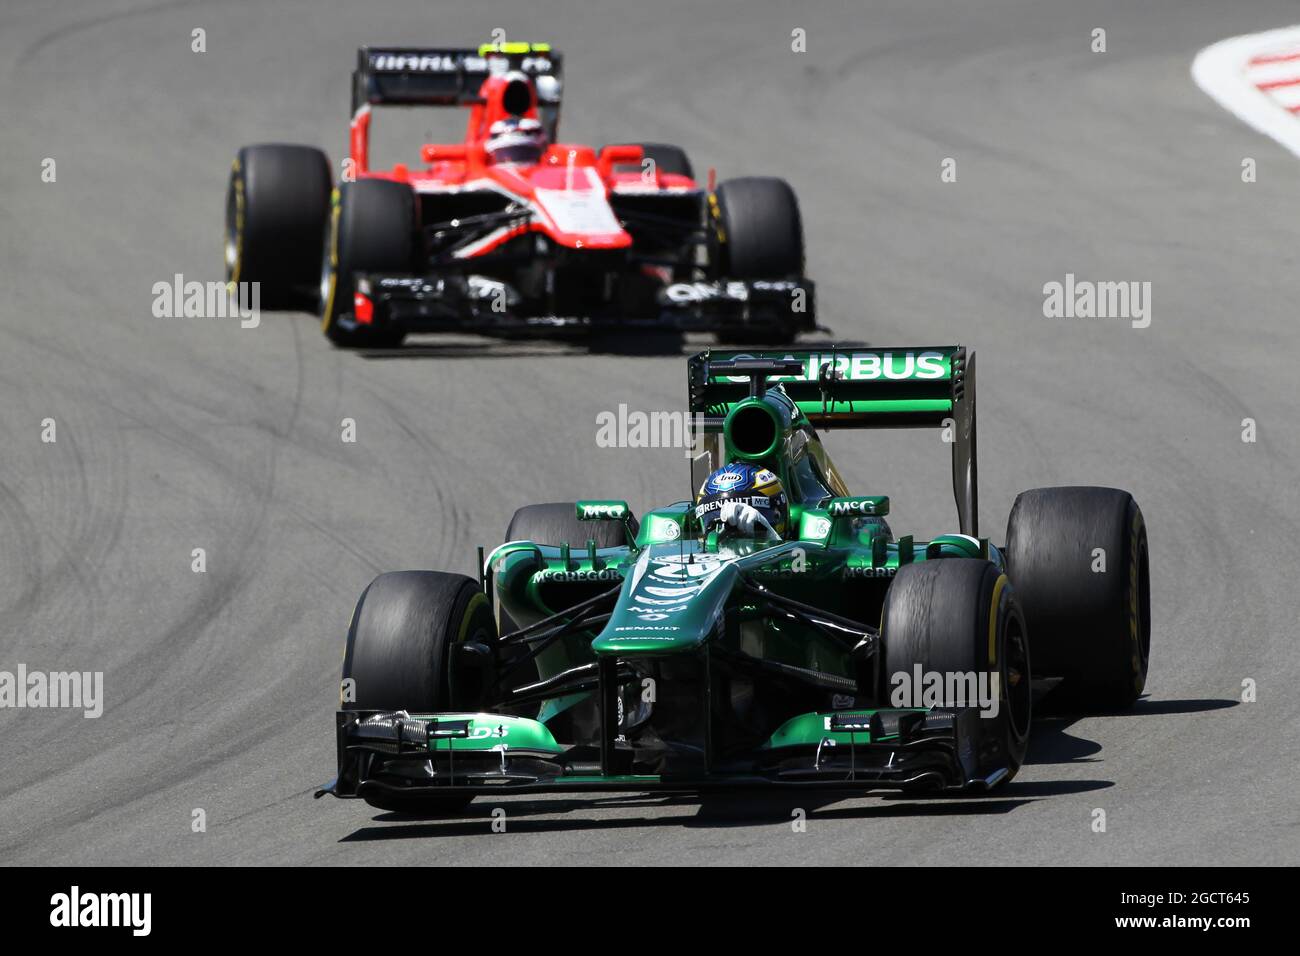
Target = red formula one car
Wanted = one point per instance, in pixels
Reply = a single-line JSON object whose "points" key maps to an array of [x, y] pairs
{"points": [[511, 232]]}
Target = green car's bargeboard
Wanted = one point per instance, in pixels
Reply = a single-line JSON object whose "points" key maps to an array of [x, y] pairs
{"points": [[601, 652]]}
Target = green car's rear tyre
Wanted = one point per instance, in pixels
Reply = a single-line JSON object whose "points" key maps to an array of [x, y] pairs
{"points": [[373, 229], [277, 209], [1079, 559], [398, 655], [557, 522], [958, 616]]}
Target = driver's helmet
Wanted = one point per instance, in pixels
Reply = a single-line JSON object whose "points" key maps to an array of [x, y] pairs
{"points": [[748, 484], [516, 140]]}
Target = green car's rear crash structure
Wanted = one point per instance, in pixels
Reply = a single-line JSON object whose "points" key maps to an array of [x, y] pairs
{"points": [[601, 652]]}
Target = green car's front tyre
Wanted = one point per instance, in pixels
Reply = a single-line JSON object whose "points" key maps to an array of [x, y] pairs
{"points": [[406, 624], [958, 618], [399, 656], [1080, 561]]}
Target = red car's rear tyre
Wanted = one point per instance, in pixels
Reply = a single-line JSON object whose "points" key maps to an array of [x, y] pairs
{"points": [[667, 158]]}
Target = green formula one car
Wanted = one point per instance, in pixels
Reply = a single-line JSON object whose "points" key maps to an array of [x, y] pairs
{"points": [[773, 632]]}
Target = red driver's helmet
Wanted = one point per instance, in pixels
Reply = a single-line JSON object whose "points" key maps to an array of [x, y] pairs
{"points": [[516, 140]]}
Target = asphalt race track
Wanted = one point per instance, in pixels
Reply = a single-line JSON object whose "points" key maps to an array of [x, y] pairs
{"points": [[175, 434]]}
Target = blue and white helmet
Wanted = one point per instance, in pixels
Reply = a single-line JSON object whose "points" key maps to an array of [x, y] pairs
{"points": [[748, 484]]}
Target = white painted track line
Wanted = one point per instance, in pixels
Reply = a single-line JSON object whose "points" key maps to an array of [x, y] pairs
{"points": [[1256, 77]]}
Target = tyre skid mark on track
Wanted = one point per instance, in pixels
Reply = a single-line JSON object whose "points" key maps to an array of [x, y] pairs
{"points": [[22, 561], [447, 508], [77, 526], [90, 23], [139, 674], [233, 775], [151, 762]]}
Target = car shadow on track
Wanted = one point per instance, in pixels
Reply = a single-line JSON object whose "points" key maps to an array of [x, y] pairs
{"points": [[1053, 743], [613, 345], [633, 345], [454, 350], [1144, 707], [1196, 705], [684, 811], [636, 345]]}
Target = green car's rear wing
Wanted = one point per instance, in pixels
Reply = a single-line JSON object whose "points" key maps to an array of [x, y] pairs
{"points": [[856, 387]]}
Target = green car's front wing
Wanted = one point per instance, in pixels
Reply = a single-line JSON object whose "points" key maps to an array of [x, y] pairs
{"points": [[395, 753]]}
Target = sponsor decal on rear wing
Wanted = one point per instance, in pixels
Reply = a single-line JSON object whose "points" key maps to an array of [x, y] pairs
{"points": [[416, 76], [852, 387]]}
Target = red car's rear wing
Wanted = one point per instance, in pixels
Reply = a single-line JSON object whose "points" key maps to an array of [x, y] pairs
{"points": [[418, 76], [425, 76]]}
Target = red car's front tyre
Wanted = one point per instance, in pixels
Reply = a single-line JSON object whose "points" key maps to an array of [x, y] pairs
{"points": [[373, 228], [757, 233], [277, 207]]}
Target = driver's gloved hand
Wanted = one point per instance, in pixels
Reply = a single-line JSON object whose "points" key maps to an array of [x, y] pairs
{"points": [[745, 518]]}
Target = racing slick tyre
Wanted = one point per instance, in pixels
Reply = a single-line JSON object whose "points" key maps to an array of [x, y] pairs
{"points": [[398, 655], [957, 616], [1079, 559], [373, 229], [758, 234], [553, 524], [667, 159], [558, 522], [277, 209]]}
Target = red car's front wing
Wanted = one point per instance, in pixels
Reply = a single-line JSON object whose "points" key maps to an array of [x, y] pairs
{"points": [[448, 303]]}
